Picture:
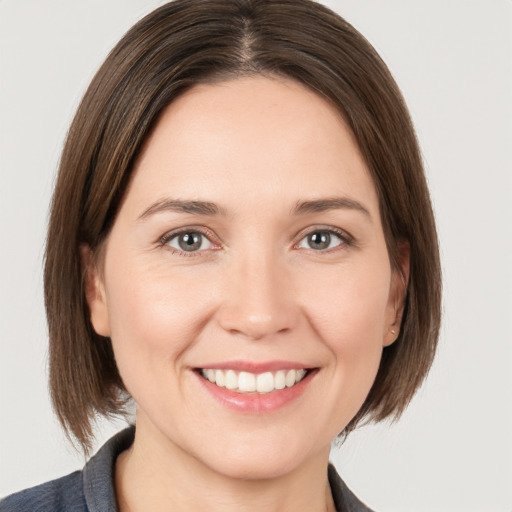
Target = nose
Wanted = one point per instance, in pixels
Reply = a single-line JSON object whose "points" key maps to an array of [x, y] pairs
{"points": [[258, 299]]}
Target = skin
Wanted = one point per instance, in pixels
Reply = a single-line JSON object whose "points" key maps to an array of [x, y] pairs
{"points": [[256, 290]]}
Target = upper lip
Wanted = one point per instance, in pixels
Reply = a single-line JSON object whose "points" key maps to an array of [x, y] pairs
{"points": [[256, 367]]}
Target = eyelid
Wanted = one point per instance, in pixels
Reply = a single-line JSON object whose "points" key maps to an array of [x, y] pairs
{"points": [[163, 241], [345, 237]]}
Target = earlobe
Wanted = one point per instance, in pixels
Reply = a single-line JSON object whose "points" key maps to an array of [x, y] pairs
{"points": [[94, 292], [398, 294]]}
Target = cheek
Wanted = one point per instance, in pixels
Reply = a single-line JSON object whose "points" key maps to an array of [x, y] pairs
{"points": [[348, 312], [349, 304], [154, 316], [354, 338]]}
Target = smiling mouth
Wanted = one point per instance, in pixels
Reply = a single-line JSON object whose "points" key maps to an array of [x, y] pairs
{"points": [[261, 383]]}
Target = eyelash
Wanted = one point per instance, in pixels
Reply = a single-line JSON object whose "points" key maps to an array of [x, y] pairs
{"points": [[346, 240], [165, 239]]}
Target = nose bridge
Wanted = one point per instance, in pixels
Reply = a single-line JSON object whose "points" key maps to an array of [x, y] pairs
{"points": [[259, 296]]}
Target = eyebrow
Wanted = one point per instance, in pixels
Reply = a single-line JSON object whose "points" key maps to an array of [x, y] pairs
{"points": [[212, 209], [331, 203], [181, 206]]}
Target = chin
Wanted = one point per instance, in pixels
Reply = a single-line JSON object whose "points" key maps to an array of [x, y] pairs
{"points": [[258, 459], [258, 468]]}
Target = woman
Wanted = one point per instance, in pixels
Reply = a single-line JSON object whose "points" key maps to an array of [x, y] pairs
{"points": [[242, 242]]}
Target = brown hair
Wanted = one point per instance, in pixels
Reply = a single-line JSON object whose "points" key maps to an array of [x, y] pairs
{"points": [[187, 42]]}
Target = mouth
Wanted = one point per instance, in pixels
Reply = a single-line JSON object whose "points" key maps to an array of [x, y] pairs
{"points": [[244, 382], [253, 388]]}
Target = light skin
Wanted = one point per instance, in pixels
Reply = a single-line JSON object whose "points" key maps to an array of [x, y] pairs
{"points": [[290, 264]]}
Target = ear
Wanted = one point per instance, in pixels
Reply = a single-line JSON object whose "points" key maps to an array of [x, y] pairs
{"points": [[94, 290], [397, 294]]}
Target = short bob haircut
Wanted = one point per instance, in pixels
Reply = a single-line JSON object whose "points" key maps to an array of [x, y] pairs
{"points": [[188, 42]]}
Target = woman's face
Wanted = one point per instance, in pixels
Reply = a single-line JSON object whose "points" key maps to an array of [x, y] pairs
{"points": [[249, 245]]}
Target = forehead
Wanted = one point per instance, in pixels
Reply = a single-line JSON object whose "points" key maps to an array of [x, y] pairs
{"points": [[254, 137]]}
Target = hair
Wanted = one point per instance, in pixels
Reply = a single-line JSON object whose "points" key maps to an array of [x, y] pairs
{"points": [[185, 43]]}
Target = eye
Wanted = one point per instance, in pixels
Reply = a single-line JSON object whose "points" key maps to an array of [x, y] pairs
{"points": [[188, 241], [322, 240]]}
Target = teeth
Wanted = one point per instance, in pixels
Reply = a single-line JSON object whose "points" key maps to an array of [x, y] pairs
{"points": [[300, 375], [231, 379], [280, 380], [220, 378], [246, 382], [290, 378], [265, 383]]}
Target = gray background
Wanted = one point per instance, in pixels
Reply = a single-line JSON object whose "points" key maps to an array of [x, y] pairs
{"points": [[452, 451]]}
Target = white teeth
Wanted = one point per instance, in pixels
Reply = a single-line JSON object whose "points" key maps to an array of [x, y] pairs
{"points": [[231, 380], [246, 382], [220, 379], [265, 382], [300, 375], [280, 380], [290, 378]]}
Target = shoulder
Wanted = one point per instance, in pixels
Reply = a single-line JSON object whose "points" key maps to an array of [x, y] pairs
{"points": [[89, 490], [343, 497], [63, 494]]}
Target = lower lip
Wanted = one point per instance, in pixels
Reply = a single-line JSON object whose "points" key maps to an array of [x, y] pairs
{"points": [[255, 402]]}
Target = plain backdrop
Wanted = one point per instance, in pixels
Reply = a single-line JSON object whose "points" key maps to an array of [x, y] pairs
{"points": [[452, 450]]}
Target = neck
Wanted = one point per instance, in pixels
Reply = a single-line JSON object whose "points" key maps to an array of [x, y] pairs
{"points": [[160, 476]]}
